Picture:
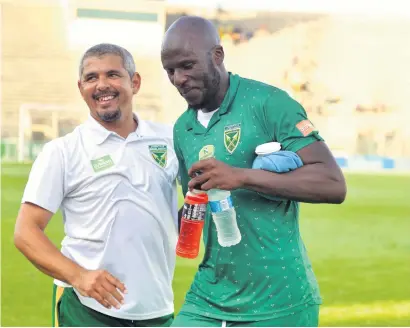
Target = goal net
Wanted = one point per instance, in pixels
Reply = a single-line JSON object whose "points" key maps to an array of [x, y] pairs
{"points": [[40, 123]]}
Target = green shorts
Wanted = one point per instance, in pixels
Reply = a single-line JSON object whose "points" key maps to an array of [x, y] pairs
{"points": [[68, 311], [308, 317]]}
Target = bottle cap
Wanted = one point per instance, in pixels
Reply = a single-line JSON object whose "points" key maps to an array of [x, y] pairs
{"points": [[268, 148]]}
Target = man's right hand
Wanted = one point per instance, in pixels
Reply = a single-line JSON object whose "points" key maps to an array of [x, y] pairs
{"points": [[102, 286], [30, 239]]}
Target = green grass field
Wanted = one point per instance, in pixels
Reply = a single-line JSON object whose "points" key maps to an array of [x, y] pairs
{"points": [[360, 252]]}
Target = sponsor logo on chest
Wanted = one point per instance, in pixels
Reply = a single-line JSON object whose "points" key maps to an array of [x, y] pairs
{"points": [[102, 163], [207, 151]]}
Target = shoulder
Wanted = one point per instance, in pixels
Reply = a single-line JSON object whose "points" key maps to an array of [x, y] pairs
{"points": [[61, 148], [52, 151], [55, 146], [50, 157], [182, 119], [70, 142], [161, 130], [181, 122], [262, 92]]}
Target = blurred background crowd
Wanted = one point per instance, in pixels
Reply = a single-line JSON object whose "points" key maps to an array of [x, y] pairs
{"points": [[351, 72]]}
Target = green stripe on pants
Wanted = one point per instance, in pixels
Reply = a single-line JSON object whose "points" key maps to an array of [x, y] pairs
{"points": [[57, 293]]}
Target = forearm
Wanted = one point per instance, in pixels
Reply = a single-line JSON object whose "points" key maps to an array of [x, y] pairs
{"points": [[312, 183], [40, 251]]}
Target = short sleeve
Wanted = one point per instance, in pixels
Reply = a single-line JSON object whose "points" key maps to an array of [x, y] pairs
{"points": [[183, 177], [289, 123], [45, 185]]}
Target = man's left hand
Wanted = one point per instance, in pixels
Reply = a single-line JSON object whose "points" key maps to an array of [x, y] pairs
{"points": [[215, 175]]}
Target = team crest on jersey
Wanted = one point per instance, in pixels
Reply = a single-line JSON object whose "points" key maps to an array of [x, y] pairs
{"points": [[159, 154], [232, 135]]}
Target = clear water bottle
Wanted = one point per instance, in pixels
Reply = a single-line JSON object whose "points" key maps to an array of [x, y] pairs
{"points": [[224, 216]]}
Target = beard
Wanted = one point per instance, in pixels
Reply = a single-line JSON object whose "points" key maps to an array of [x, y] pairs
{"points": [[211, 81], [109, 117]]}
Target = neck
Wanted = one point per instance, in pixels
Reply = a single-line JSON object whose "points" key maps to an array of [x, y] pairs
{"points": [[123, 127]]}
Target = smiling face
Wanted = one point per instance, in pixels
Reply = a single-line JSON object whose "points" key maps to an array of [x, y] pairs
{"points": [[107, 88]]}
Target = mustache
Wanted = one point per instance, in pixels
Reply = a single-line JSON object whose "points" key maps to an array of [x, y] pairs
{"points": [[105, 94]]}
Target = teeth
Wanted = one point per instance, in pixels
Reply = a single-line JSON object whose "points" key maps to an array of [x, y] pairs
{"points": [[105, 98]]}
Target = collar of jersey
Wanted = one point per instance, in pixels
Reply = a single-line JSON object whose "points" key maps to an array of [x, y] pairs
{"points": [[192, 122], [100, 133]]}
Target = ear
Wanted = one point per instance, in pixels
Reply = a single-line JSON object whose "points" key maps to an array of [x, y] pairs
{"points": [[219, 55], [80, 87], [136, 83]]}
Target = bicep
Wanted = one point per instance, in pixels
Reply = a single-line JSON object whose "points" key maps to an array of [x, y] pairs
{"points": [[316, 152], [32, 215], [319, 153], [45, 186]]}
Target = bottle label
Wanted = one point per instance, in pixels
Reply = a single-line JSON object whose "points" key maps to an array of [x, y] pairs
{"points": [[194, 211], [221, 205]]}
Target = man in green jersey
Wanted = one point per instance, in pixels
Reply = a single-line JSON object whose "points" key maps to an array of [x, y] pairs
{"points": [[266, 279]]}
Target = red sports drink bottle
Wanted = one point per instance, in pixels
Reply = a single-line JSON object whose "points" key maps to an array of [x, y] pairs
{"points": [[192, 223]]}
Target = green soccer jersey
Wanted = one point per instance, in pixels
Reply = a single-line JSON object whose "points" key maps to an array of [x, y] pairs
{"points": [[268, 274]]}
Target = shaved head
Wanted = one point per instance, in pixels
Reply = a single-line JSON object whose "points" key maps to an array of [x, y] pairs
{"points": [[191, 32], [193, 58]]}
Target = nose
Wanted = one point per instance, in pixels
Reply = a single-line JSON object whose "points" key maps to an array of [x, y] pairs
{"points": [[179, 78], [102, 83]]}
